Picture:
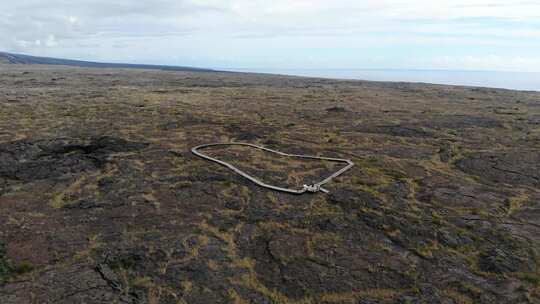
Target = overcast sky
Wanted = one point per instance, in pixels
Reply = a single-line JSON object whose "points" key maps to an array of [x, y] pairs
{"points": [[397, 34]]}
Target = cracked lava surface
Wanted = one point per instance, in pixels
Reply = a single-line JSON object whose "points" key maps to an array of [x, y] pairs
{"points": [[101, 200]]}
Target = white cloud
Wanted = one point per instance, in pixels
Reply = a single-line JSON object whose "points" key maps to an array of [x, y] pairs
{"points": [[65, 27], [51, 41]]}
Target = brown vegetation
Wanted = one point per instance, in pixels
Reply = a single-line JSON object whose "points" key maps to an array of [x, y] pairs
{"points": [[102, 202]]}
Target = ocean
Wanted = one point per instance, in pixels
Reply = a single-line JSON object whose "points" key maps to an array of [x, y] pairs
{"points": [[492, 79]]}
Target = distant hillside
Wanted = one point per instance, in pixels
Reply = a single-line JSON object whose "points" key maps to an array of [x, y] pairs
{"points": [[8, 58]]}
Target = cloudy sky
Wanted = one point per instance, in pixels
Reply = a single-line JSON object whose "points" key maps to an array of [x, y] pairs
{"points": [[396, 34]]}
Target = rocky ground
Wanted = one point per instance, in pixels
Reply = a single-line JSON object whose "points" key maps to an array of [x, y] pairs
{"points": [[101, 200]]}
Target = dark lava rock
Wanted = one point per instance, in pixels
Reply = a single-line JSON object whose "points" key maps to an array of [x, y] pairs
{"points": [[186, 120], [398, 189], [28, 160], [521, 168], [83, 204], [248, 132], [398, 130], [460, 121], [353, 200], [106, 183], [233, 205], [5, 268], [162, 226], [448, 151], [285, 248], [329, 224], [337, 109], [126, 260], [498, 261], [109, 276], [408, 300], [367, 301], [447, 238]]}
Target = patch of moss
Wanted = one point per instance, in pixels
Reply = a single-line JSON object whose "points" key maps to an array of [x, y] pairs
{"points": [[514, 203], [5, 268], [23, 267], [458, 297], [532, 278], [8, 270], [436, 218], [448, 152], [61, 198], [123, 262], [235, 297], [470, 290], [427, 249], [142, 282], [186, 286]]}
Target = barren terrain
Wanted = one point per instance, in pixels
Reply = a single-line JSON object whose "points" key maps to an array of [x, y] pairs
{"points": [[101, 200]]}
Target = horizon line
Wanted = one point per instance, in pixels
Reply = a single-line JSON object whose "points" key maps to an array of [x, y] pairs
{"points": [[231, 69]]}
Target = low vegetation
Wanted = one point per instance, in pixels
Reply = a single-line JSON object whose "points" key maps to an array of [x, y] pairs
{"points": [[101, 200]]}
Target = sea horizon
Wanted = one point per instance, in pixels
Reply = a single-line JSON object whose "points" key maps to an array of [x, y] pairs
{"points": [[511, 80]]}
